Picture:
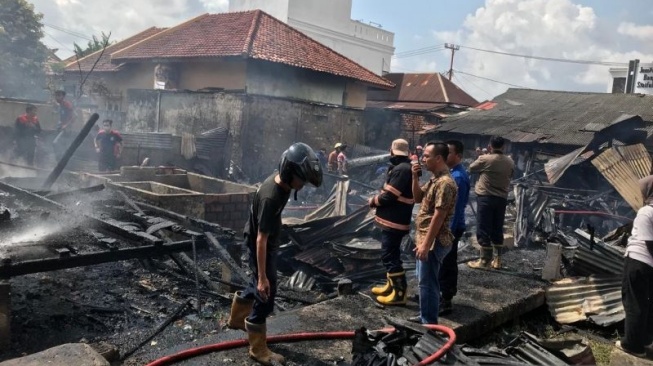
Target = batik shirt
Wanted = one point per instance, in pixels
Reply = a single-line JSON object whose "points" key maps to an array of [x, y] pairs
{"points": [[439, 192]]}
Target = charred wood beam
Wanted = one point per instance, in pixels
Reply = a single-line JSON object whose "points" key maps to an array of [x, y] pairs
{"points": [[203, 225], [57, 196], [56, 172], [158, 329], [96, 223], [188, 265], [130, 202], [222, 253], [9, 269]]}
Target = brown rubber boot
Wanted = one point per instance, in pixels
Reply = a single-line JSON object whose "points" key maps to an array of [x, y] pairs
{"points": [[484, 261], [398, 295], [240, 309], [384, 290], [258, 345], [496, 256]]}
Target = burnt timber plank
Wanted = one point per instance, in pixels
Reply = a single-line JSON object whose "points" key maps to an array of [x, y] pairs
{"points": [[9, 269]]}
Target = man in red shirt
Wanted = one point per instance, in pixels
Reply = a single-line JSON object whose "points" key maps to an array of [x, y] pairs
{"points": [[108, 145], [26, 130]]}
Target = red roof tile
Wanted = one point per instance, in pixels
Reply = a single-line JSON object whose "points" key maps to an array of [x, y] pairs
{"points": [[424, 88], [104, 64], [252, 34]]}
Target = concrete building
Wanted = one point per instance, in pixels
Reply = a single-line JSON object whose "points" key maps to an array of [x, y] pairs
{"points": [[329, 22], [240, 86], [642, 79]]}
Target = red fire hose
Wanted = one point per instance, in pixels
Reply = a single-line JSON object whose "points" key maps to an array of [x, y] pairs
{"points": [[297, 337]]}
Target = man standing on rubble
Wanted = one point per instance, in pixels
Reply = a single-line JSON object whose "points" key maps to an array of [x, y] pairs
{"points": [[108, 145], [433, 236], [394, 209], [66, 118], [26, 131], [251, 307], [332, 161], [449, 269], [495, 171]]}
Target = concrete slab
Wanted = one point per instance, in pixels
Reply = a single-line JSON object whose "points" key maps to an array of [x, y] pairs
{"points": [[485, 300], [621, 358], [78, 354]]}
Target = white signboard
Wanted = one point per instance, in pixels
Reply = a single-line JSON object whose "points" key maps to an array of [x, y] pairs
{"points": [[644, 79]]}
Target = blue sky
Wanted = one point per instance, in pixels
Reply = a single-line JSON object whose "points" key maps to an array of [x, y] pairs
{"points": [[599, 30]]}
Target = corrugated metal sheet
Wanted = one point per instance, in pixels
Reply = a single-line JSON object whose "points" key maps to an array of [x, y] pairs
{"points": [[621, 175], [521, 136], [638, 158], [556, 168], [405, 106], [212, 143], [598, 126], [598, 258], [561, 115], [148, 140], [597, 299]]}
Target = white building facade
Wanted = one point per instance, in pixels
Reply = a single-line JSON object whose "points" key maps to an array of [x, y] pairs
{"points": [[642, 83], [329, 22]]}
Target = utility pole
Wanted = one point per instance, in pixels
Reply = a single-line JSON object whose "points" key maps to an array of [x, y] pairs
{"points": [[453, 48]]}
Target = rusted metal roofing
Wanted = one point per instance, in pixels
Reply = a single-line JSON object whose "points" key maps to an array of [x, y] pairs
{"points": [[561, 116], [249, 34], [623, 167], [597, 299], [423, 88], [596, 258], [104, 63]]}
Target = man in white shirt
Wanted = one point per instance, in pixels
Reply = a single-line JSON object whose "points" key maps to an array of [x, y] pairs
{"points": [[637, 284]]}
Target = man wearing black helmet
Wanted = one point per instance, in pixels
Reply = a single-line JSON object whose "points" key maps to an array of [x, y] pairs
{"points": [[250, 308]]}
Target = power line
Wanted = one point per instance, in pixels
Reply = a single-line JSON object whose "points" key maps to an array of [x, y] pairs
{"points": [[473, 84], [488, 79], [68, 31], [554, 59], [417, 52], [420, 49], [56, 40]]}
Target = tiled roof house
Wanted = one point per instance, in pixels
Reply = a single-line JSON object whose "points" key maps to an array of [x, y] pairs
{"points": [[250, 51]]}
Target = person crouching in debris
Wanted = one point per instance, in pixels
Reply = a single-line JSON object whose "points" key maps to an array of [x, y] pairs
{"points": [[433, 237], [26, 131], [449, 269], [637, 282], [495, 171], [108, 145], [394, 210], [251, 307]]}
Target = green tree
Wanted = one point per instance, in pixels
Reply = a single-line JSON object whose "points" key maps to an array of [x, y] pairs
{"points": [[22, 54], [92, 46]]}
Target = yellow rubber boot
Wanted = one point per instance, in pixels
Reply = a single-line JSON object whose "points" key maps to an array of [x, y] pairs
{"points": [[398, 295], [240, 309], [258, 345], [383, 290]]}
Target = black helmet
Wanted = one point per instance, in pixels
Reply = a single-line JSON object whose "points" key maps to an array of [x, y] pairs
{"points": [[300, 160]]}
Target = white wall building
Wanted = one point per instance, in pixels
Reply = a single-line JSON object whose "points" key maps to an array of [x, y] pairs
{"points": [[643, 83], [329, 22]]}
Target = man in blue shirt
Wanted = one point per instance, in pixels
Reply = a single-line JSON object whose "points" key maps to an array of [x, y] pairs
{"points": [[449, 268]]}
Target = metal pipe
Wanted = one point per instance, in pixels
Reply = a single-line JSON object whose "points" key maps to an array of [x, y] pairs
{"points": [[69, 152]]}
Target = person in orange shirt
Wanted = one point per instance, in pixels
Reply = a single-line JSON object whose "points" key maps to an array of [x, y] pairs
{"points": [[332, 161], [26, 131]]}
